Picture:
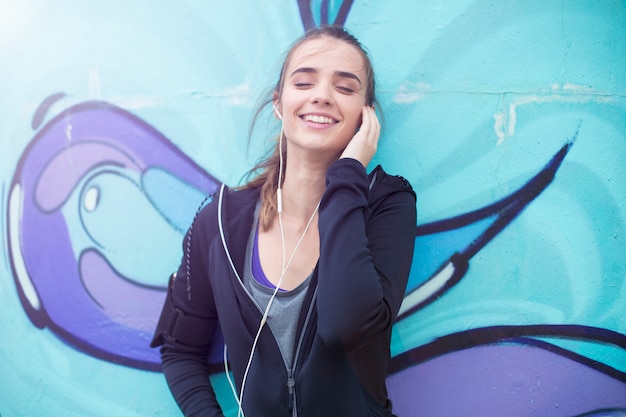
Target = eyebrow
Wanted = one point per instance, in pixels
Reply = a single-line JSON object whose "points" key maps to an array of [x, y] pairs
{"points": [[342, 74]]}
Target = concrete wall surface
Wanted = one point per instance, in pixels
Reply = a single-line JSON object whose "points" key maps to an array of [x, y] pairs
{"points": [[508, 118]]}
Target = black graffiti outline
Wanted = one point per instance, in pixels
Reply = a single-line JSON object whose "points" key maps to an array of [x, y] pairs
{"points": [[526, 335], [306, 13]]}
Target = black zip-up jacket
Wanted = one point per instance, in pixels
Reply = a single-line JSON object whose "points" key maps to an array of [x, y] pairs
{"points": [[367, 233]]}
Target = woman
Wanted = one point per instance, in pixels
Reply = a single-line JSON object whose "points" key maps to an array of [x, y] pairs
{"points": [[304, 268]]}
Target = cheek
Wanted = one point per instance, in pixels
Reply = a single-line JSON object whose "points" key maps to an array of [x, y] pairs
{"points": [[355, 117]]}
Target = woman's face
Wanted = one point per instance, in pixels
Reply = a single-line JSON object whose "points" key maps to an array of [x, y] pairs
{"points": [[323, 94]]}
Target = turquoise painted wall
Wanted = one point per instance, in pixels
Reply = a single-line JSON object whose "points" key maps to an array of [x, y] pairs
{"points": [[508, 117]]}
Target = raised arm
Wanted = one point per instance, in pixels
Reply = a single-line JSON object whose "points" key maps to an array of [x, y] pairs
{"points": [[365, 255]]}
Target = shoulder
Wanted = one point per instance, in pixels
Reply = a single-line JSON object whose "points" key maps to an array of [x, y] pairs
{"points": [[391, 195], [238, 199], [382, 184], [229, 202]]}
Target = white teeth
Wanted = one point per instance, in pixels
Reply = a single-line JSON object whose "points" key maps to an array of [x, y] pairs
{"points": [[318, 119]]}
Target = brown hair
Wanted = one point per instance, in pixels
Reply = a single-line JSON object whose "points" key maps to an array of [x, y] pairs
{"points": [[267, 169]]}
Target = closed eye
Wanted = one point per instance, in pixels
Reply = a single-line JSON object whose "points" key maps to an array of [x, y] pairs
{"points": [[345, 90]]}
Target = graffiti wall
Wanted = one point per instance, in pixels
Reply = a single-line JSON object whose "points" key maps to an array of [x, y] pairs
{"points": [[117, 118]]}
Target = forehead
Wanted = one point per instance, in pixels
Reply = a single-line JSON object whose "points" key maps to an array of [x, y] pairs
{"points": [[327, 53]]}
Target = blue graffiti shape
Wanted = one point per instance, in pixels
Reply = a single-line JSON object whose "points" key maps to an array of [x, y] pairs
{"points": [[316, 13], [489, 221], [475, 360], [98, 206]]}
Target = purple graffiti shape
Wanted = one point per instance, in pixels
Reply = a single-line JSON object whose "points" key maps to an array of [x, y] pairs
{"points": [[512, 380], [97, 202]]}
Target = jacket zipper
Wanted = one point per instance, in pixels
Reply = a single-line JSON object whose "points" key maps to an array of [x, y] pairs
{"points": [[291, 381], [291, 387]]}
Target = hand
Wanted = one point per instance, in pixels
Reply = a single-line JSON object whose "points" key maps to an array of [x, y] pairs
{"points": [[364, 143]]}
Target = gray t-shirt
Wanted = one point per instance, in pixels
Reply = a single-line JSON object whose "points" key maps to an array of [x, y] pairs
{"points": [[285, 309]]}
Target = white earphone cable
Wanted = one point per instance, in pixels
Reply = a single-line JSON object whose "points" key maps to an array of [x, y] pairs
{"points": [[285, 266]]}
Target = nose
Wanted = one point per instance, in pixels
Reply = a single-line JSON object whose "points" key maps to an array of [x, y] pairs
{"points": [[322, 94]]}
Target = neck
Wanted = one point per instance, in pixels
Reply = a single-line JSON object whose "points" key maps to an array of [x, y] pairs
{"points": [[302, 190]]}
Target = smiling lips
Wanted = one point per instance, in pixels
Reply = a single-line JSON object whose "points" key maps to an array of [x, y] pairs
{"points": [[318, 119]]}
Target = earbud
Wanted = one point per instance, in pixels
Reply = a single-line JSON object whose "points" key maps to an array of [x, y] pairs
{"points": [[279, 191], [279, 199], [277, 112]]}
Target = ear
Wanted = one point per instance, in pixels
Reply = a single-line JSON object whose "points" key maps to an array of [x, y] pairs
{"points": [[276, 106]]}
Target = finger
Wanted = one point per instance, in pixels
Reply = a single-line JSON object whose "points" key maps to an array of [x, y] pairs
{"points": [[367, 122], [374, 124]]}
